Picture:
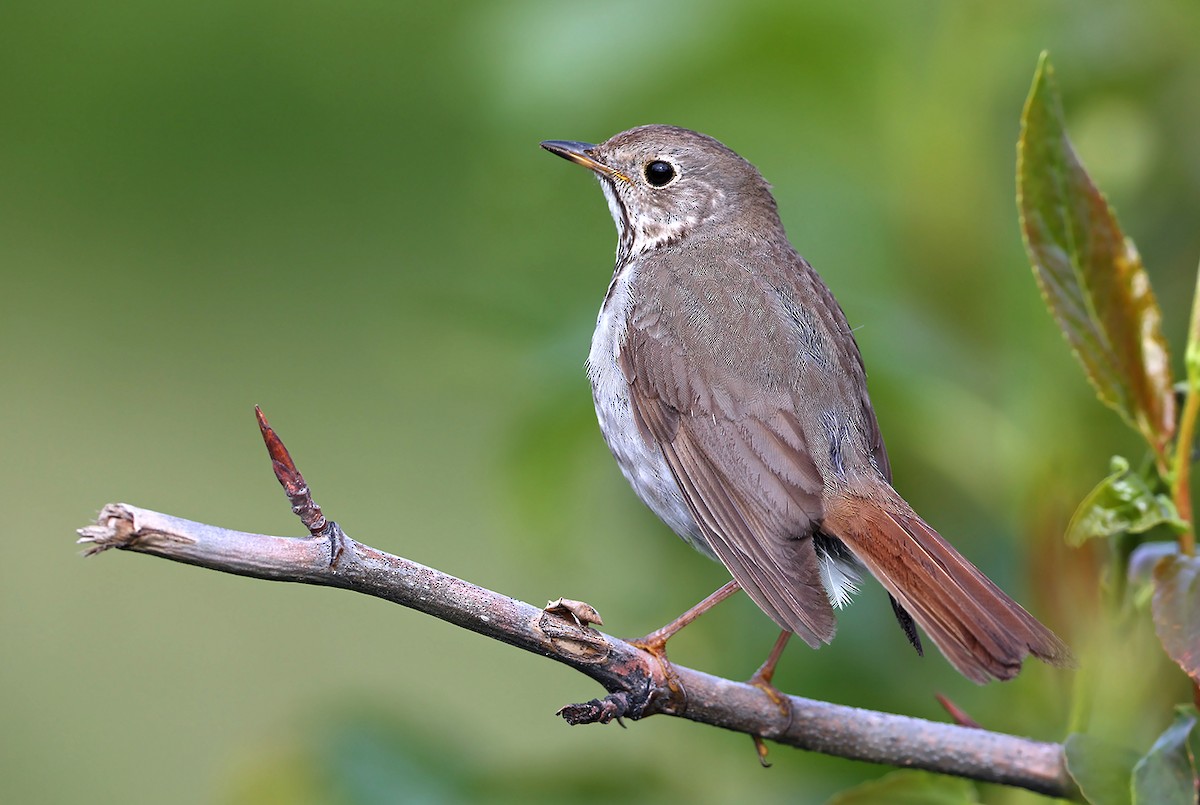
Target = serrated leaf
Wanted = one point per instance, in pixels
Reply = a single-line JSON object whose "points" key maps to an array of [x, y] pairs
{"points": [[1176, 610], [1090, 274], [1166, 775], [908, 787], [1101, 770], [1122, 503]]}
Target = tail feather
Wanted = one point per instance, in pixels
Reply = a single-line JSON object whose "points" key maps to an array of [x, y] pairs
{"points": [[981, 631], [908, 625]]}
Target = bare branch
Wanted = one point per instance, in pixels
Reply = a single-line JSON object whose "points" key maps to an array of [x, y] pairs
{"points": [[638, 684]]}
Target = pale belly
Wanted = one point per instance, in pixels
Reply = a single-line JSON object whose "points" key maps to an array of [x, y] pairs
{"points": [[641, 463]]}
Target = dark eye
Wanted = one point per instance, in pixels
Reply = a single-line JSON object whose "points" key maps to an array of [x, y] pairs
{"points": [[659, 173]]}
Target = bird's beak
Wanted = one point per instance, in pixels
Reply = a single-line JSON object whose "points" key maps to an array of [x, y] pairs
{"points": [[581, 153]]}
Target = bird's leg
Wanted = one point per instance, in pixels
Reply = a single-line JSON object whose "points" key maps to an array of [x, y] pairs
{"points": [[656, 642], [761, 679], [766, 672]]}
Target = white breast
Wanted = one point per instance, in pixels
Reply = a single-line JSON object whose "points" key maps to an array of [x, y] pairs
{"points": [[641, 463]]}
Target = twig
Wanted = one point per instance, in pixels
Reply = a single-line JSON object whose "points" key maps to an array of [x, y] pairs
{"points": [[959, 715], [637, 685]]}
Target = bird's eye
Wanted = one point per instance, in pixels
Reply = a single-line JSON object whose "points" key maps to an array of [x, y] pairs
{"points": [[659, 173]]}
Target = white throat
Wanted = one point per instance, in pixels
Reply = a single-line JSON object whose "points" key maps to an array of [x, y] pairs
{"points": [[648, 231]]}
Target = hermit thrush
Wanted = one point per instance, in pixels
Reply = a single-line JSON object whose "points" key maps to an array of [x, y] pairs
{"points": [[730, 389]]}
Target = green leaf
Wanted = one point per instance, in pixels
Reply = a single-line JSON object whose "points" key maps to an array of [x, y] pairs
{"points": [[908, 787], [1100, 769], [1167, 774], [1176, 609], [1123, 503], [1090, 274]]}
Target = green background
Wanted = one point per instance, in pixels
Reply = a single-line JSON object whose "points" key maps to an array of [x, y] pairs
{"points": [[339, 211]]}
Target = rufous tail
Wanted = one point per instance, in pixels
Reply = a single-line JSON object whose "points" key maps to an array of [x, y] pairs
{"points": [[981, 631]]}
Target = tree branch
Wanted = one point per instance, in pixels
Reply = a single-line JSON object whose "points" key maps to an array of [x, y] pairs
{"points": [[638, 685]]}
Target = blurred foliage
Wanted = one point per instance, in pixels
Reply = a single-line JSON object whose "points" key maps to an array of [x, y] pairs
{"points": [[909, 788], [1095, 284], [1101, 769], [1167, 775], [366, 757], [339, 211]]}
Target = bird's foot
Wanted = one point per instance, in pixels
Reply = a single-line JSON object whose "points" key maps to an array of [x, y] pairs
{"points": [[655, 644]]}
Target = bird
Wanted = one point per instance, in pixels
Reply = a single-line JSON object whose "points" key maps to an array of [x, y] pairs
{"points": [[730, 389]]}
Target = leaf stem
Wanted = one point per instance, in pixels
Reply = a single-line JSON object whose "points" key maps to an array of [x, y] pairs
{"points": [[1181, 492], [1181, 488]]}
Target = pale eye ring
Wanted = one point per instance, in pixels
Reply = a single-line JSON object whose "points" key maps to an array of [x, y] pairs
{"points": [[659, 172]]}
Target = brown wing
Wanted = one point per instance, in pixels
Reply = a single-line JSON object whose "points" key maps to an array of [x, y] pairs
{"points": [[738, 453], [806, 299], [803, 283]]}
